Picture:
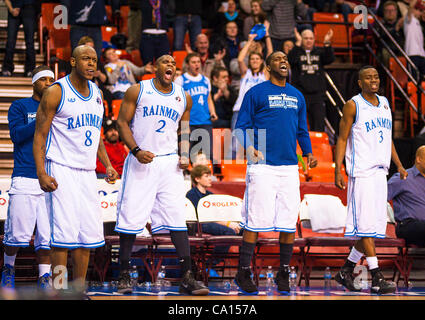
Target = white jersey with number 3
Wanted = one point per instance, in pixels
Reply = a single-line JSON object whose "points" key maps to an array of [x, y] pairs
{"points": [[74, 135], [369, 143], [157, 117]]}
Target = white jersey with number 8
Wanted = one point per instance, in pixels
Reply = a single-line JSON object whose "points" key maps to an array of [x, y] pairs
{"points": [[74, 135], [157, 117], [369, 144]]}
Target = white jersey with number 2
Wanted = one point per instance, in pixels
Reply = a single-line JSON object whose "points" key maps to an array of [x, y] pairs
{"points": [[157, 117]]}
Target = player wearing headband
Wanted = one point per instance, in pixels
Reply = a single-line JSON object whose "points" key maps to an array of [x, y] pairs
{"points": [[27, 206]]}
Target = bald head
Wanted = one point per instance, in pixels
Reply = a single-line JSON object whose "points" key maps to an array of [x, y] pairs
{"points": [[420, 159], [78, 51], [307, 39]]}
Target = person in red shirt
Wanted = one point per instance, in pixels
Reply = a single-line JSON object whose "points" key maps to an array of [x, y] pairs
{"points": [[116, 150]]}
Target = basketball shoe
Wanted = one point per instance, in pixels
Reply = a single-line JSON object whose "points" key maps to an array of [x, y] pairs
{"points": [[380, 285], [189, 285], [282, 280], [124, 282], [8, 277], [345, 278], [244, 282]]}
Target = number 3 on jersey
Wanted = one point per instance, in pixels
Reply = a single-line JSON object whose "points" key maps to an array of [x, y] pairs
{"points": [[381, 138], [162, 124]]}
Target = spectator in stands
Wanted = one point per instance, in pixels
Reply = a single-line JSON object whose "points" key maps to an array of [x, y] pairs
{"points": [[226, 15], [20, 12], [403, 6], [408, 198], [134, 22], [414, 37], [122, 73], [224, 97], [201, 180], [256, 16], [252, 74], [307, 72], [100, 77], [282, 19], [288, 45], [188, 17], [154, 40], [394, 25], [115, 149], [203, 112], [346, 7], [209, 60], [233, 41], [86, 17]]}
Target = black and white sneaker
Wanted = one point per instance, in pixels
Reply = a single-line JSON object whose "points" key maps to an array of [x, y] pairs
{"points": [[189, 285], [124, 283], [282, 280], [244, 282], [345, 278], [380, 285]]}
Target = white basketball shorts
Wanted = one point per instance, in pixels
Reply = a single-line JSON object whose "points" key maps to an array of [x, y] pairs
{"points": [[367, 206], [26, 211], [155, 190], [272, 198], [74, 208]]}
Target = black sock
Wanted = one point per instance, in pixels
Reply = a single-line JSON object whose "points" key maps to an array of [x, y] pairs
{"points": [[374, 271], [126, 244], [349, 265], [286, 250], [180, 240], [246, 251]]}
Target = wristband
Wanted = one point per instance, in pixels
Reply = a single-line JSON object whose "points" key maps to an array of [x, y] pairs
{"points": [[135, 150]]}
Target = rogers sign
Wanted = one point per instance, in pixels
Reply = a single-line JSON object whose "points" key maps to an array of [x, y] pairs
{"points": [[219, 204]]}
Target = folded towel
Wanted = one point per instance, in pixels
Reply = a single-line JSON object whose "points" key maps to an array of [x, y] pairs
{"points": [[326, 213]]}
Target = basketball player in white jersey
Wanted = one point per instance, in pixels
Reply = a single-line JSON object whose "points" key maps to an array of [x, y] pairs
{"points": [[152, 115], [70, 118], [365, 139]]}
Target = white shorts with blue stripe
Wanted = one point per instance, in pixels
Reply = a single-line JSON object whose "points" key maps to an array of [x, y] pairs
{"points": [[26, 211], [74, 208], [272, 198], [155, 190], [367, 205]]}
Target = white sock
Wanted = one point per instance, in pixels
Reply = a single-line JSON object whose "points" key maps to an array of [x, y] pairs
{"points": [[10, 260], [43, 269], [355, 255], [372, 262]]}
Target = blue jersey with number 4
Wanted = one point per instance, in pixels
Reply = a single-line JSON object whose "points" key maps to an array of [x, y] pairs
{"points": [[198, 88], [74, 135]]}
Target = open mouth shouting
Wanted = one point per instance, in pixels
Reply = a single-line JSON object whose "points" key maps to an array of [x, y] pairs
{"points": [[168, 75]]}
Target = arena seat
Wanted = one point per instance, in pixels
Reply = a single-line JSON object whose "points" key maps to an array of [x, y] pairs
{"points": [[148, 76], [45, 22], [108, 32], [116, 105], [179, 56], [340, 36], [413, 95], [331, 249], [135, 58], [401, 77], [109, 16], [213, 208], [233, 170]]}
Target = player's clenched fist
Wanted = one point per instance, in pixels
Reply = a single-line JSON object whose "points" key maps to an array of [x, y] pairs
{"points": [[183, 162], [145, 156], [339, 180], [47, 183]]}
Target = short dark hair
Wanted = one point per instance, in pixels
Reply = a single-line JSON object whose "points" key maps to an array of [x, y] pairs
{"points": [[191, 55], [365, 68], [216, 71], [198, 171], [40, 68], [269, 58], [105, 51]]}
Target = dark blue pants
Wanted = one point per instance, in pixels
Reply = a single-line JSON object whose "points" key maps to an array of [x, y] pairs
{"points": [[152, 46], [218, 230], [193, 23], [27, 19], [94, 32]]}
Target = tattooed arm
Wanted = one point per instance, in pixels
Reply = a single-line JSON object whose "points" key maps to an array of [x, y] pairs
{"points": [[45, 113]]}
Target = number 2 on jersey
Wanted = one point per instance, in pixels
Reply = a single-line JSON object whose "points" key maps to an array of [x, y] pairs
{"points": [[162, 125]]}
